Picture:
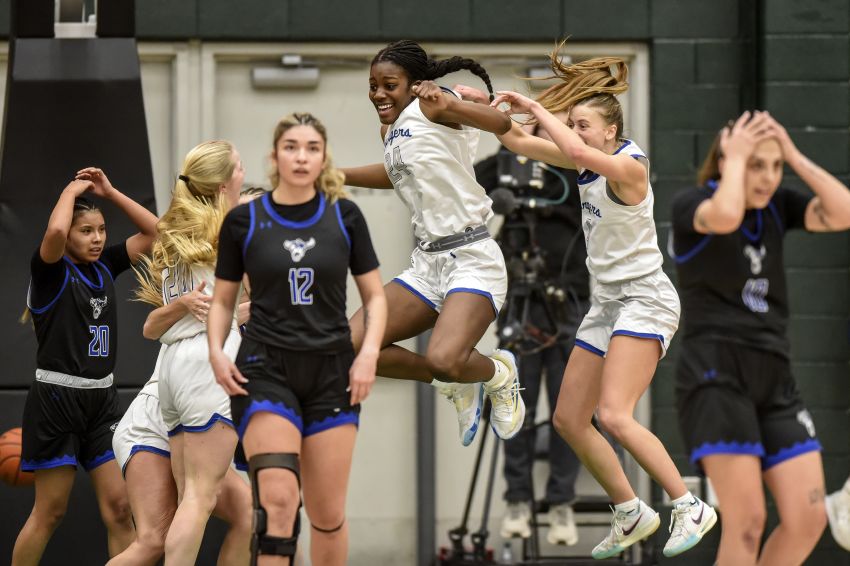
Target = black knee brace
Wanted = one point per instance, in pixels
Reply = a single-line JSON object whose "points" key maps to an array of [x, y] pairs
{"points": [[261, 543]]}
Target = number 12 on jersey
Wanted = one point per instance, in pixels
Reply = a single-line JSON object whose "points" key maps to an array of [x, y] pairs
{"points": [[300, 281], [395, 165]]}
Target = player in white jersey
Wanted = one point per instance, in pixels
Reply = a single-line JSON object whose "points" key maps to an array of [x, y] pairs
{"points": [[634, 308], [195, 409], [457, 280]]}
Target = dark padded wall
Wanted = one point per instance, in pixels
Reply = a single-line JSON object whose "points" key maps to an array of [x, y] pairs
{"points": [[70, 103]]}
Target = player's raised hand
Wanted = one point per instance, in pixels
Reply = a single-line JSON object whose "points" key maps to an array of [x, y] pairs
{"points": [[100, 182], [512, 102]]}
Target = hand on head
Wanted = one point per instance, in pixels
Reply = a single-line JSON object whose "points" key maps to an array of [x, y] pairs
{"points": [[740, 138], [100, 183], [79, 186]]}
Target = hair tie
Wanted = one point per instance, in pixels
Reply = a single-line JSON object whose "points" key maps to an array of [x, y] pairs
{"points": [[183, 178]]}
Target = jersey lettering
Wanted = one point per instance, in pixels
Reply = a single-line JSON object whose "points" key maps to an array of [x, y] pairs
{"points": [[99, 345], [395, 164], [300, 281], [177, 283], [754, 293]]}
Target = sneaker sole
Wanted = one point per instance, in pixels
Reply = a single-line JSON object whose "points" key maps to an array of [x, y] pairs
{"points": [[469, 435], [637, 536], [694, 539], [833, 520], [516, 534], [564, 541]]}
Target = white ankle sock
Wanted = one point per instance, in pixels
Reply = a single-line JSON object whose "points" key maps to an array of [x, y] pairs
{"points": [[688, 499], [499, 376], [629, 507]]}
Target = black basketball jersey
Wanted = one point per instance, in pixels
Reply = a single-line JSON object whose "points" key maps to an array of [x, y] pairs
{"points": [[76, 327], [732, 286], [298, 271]]}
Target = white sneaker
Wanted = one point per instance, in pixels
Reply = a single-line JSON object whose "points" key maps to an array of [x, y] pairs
{"points": [[627, 529], [562, 525], [838, 513], [688, 523], [468, 398], [508, 411], [517, 521]]}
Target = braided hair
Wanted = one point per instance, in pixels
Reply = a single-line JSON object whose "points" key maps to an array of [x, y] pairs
{"points": [[410, 56], [83, 205]]}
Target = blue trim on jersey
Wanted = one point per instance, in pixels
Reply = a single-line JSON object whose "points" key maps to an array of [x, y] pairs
{"points": [[422, 297], [32, 465], [56, 298], [107, 456], [332, 422], [103, 265], [266, 406], [589, 347], [252, 213], [341, 225], [798, 449], [734, 447], [690, 254], [85, 279], [775, 212], [622, 147], [201, 428], [267, 204], [634, 334], [754, 236], [589, 179], [475, 292]]}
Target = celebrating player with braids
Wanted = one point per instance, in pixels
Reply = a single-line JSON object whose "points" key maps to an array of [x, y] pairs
{"points": [[457, 280]]}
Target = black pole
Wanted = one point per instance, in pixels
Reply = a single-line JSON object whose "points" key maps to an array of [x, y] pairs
{"points": [[426, 469]]}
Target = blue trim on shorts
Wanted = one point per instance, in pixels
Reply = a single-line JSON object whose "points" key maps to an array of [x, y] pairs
{"points": [[145, 448], [785, 454], [266, 406], [32, 465], [240, 466], [422, 297], [589, 347], [332, 422], [633, 334], [201, 428], [475, 292], [99, 460], [734, 447]]}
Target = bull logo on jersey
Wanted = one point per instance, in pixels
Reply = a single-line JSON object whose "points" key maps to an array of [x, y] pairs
{"points": [[298, 248], [97, 306], [755, 256], [805, 419]]}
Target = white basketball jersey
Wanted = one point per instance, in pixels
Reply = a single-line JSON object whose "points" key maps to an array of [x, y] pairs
{"points": [[430, 166], [179, 281], [621, 240]]}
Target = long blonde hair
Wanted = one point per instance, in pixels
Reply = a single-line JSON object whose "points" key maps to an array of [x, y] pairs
{"points": [[188, 231], [589, 82], [331, 180]]}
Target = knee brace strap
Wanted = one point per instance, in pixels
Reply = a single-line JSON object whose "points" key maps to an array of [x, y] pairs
{"points": [[261, 543], [329, 531]]}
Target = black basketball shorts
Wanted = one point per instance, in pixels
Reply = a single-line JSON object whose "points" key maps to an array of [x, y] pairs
{"points": [[737, 399], [66, 426]]}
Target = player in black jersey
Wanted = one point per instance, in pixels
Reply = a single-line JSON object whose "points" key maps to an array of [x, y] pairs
{"points": [[73, 403], [296, 385], [740, 412]]}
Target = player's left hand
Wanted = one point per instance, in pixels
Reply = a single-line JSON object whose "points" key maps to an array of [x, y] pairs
{"points": [[428, 91], [516, 103], [101, 185], [361, 376], [777, 130]]}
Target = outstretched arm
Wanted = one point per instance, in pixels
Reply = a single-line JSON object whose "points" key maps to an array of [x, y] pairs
{"points": [[53, 243], [144, 219], [368, 176], [446, 108], [829, 211]]}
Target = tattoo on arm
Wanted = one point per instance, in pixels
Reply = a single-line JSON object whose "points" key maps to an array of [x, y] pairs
{"points": [[365, 317], [816, 496], [817, 208]]}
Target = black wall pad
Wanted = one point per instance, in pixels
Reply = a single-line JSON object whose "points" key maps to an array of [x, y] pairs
{"points": [[32, 18], [116, 18], [70, 103]]}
